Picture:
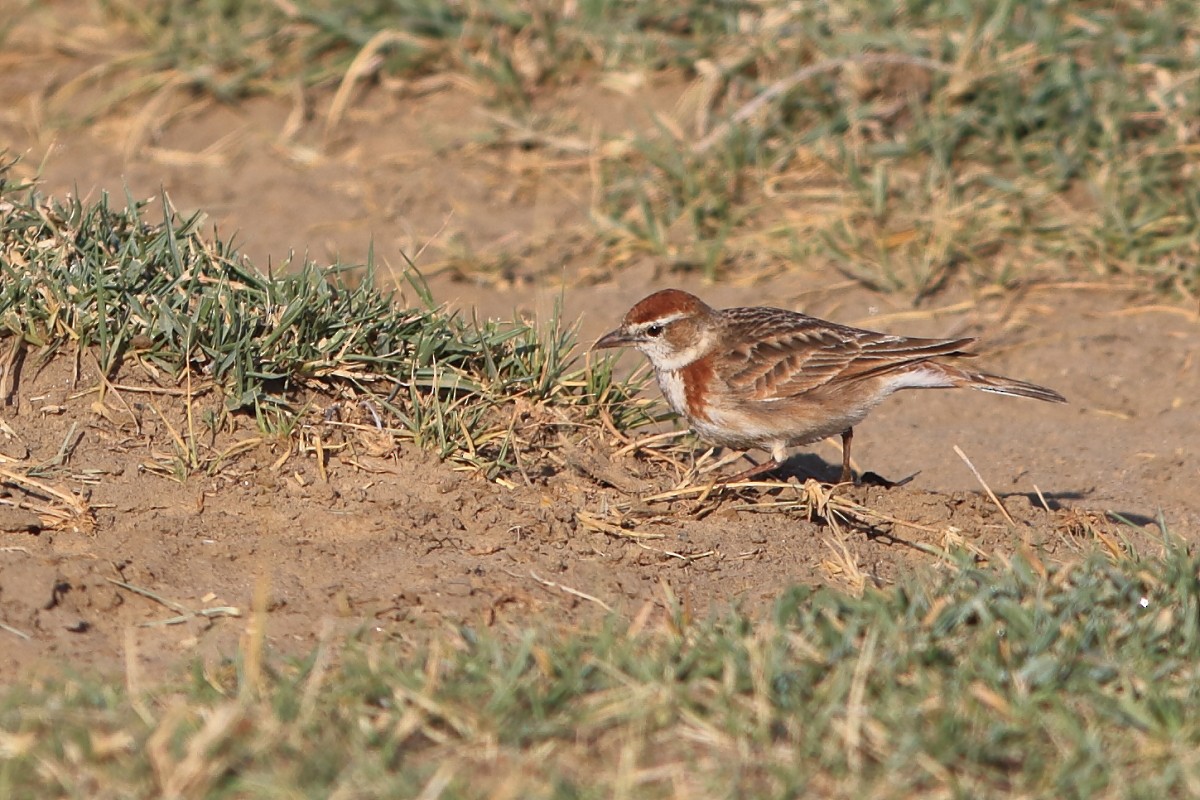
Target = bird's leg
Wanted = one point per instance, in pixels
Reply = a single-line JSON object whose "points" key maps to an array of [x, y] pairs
{"points": [[847, 473], [754, 471]]}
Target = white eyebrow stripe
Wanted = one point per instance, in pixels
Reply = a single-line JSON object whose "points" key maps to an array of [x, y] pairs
{"points": [[661, 321]]}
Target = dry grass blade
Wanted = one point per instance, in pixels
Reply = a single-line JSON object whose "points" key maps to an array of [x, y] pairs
{"points": [[843, 564], [646, 442], [18, 633], [70, 509], [983, 483], [184, 613], [856, 710], [600, 469], [1158, 308], [785, 85], [365, 64], [818, 499], [9, 369], [204, 759], [709, 489], [568, 590], [596, 524]]}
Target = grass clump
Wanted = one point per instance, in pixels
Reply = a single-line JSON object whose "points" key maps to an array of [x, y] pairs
{"points": [[510, 48], [1064, 680], [906, 145], [161, 295], [901, 145]]}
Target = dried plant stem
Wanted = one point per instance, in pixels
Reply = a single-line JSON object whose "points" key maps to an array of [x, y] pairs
{"points": [[983, 483]]}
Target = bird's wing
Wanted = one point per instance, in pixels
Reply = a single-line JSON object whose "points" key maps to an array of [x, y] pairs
{"points": [[783, 353]]}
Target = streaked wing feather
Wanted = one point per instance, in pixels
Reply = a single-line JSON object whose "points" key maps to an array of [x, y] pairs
{"points": [[788, 354]]}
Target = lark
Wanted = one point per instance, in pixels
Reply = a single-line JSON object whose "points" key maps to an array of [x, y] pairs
{"points": [[769, 378]]}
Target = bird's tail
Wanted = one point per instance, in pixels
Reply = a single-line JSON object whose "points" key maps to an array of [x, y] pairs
{"points": [[998, 384]]}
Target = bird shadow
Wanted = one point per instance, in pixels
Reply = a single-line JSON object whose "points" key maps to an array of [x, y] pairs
{"points": [[1060, 501], [1065, 501], [809, 465], [1052, 501]]}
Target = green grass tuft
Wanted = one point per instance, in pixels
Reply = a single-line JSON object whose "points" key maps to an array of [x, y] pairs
{"points": [[1067, 680], [137, 285]]}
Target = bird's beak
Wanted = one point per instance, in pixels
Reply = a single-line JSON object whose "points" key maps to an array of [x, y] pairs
{"points": [[617, 338]]}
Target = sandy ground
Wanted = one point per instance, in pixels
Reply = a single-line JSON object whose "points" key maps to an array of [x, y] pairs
{"points": [[398, 547]]}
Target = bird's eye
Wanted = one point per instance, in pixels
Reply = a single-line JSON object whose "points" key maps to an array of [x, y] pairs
{"points": [[654, 330]]}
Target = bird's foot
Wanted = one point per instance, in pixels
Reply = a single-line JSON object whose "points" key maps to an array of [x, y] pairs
{"points": [[875, 479]]}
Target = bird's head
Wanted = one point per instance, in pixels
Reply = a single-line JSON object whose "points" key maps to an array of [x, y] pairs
{"points": [[673, 328]]}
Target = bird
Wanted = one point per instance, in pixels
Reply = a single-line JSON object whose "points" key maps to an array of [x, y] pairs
{"points": [[770, 378]]}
